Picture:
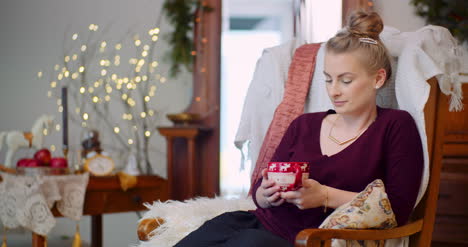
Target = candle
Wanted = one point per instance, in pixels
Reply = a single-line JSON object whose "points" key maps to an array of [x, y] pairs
{"points": [[64, 119]]}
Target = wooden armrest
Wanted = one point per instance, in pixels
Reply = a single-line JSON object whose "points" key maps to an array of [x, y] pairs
{"points": [[312, 237], [147, 226]]}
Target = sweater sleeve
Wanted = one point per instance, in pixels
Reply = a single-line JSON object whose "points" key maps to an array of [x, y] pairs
{"points": [[282, 153], [404, 166]]}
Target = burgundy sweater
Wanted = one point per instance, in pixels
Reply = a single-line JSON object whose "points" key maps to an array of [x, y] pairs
{"points": [[390, 149]]}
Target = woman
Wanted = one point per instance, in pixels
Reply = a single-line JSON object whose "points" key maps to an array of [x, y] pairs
{"points": [[347, 149]]}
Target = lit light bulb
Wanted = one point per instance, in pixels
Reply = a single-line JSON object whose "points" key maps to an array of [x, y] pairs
{"points": [[95, 99], [116, 130], [147, 133], [57, 127], [83, 48], [118, 46], [85, 116], [130, 141], [81, 69], [82, 90], [53, 84], [143, 114], [39, 74], [147, 98], [52, 147], [137, 42], [75, 36]]}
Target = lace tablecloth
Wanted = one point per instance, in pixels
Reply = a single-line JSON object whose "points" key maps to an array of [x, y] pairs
{"points": [[25, 201]]}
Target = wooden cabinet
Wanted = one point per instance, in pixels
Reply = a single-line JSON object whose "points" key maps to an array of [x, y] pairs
{"points": [[451, 224]]}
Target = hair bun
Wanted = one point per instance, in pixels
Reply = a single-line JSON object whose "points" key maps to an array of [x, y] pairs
{"points": [[368, 24]]}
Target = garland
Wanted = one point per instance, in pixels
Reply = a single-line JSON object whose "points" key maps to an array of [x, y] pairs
{"points": [[452, 14], [182, 15]]}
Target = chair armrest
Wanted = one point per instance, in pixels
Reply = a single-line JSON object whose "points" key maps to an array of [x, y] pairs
{"points": [[312, 237], [147, 226]]}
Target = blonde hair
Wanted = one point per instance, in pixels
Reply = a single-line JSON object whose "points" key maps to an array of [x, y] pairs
{"points": [[362, 35]]}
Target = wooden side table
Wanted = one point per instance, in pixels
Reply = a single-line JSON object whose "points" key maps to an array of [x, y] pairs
{"points": [[182, 166], [104, 195]]}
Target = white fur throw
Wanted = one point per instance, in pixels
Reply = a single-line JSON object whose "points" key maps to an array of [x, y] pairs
{"points": [[181, 218]]}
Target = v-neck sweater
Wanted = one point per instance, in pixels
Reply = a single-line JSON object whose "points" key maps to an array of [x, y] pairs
{"points": [[389, 149]]}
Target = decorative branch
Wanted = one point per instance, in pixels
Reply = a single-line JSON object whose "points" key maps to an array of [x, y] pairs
{"points": [[451, 14], [181, 14], [102, 87]]}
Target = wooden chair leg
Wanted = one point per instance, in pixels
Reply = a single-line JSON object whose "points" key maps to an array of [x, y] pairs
{"points": [[38, 240]]}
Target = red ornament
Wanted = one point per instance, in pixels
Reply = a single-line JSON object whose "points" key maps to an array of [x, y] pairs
{"points": [[58, 162], [43, 156], [23, 163], [34, 163]]}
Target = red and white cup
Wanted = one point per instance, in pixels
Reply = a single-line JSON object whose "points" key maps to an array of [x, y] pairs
{"points": [[288, 175]]}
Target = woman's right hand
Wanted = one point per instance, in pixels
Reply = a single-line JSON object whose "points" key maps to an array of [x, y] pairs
{"points": [[268, 194]]}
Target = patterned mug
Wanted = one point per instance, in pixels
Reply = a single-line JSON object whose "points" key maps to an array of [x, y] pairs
{"points": [[288, 175]]}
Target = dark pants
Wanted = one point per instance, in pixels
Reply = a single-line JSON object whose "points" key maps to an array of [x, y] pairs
{"points": [[233, 229]]}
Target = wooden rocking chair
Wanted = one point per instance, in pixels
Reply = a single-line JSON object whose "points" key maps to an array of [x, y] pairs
{"points": [[419, 228]]}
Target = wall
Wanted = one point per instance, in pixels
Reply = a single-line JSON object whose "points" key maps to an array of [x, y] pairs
{"points": [[31, 40]]}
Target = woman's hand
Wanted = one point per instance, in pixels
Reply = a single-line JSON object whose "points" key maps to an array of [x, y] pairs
{"points": [[311, 195], [268, 194]]}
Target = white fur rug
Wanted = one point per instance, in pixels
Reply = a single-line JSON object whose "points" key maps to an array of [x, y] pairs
{"points": [[184, 217]]}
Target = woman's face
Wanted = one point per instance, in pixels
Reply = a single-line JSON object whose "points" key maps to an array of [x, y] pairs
{"points": [[350, 86]]}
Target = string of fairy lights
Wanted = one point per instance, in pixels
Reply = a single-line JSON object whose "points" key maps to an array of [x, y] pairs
{"points": [[99, 76], [202, 41], [92, 71]]}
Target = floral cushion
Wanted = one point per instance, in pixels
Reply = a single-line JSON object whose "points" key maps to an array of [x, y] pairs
{"points": [[369, 209]]}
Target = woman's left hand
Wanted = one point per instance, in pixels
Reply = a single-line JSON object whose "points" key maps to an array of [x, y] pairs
{"points": [[311, 195]]}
